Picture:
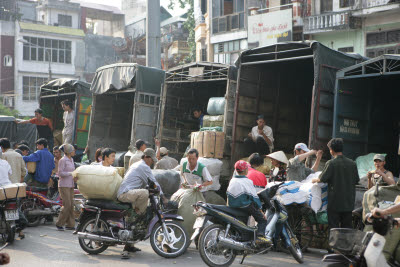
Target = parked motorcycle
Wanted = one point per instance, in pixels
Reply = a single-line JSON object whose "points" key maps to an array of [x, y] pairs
{"points": [[225, 234], [44, 203], [105, 223], [360, 249], [8, 217]]}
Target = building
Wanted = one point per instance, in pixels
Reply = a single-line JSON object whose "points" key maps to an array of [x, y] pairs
{"points": [[136, 8], [368, 27], [224, 28]]}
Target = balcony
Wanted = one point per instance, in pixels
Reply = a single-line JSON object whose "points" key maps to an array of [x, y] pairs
{"points": [[330, 22], [366, 7]]}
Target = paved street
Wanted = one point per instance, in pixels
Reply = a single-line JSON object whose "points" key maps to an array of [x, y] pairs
{"points": [[44, 246]]}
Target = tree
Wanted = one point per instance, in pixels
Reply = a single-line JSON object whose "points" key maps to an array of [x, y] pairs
{"points": [[189, 25], [5, 111]]}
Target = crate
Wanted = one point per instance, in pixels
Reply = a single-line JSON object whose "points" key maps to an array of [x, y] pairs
{"points": [[13, 191]]}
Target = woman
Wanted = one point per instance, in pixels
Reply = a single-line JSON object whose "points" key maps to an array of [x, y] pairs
{"points": [[279, 162], [379, 176], [98, 157], [66, 188]]}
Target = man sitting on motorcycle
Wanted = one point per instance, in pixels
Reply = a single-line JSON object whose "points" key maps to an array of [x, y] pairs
{"points": [[242, 194], [133, 189]]}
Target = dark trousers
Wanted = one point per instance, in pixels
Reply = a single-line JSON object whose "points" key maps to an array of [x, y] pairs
{"points": [[340, 219], [260, 145], [254, 211]]}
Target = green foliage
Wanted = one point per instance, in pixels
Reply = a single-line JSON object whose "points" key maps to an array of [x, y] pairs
{"points": [[5, 111], [189, 24]]}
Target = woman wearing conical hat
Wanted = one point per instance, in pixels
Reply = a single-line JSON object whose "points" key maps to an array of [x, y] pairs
{"points": [[279, 162]]}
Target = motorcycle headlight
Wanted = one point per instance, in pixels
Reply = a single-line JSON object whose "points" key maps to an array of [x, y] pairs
{"points": [[199, 211]]}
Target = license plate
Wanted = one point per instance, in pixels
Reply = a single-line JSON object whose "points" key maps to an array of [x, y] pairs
{"points": [[11, 215], [199, 222]]}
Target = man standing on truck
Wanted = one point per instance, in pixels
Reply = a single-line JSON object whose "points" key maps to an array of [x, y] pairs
{"points": [[260, 139], [341, 175], [44, 127], [69, 122], [198, 114]]}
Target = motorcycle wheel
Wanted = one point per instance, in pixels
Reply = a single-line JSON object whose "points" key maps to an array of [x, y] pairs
{"points": [[208, 247], [176, 247], [90, 246], [7, 232], [294, 247], [29, 204]]}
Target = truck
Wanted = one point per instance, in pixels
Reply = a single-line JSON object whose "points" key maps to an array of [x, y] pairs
{"points": [[126, 100], [53, 93]]}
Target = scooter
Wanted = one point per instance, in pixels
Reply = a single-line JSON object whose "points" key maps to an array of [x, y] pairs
{"points": [[224, 232], [45, 203], [360, 249], [8, 217]]}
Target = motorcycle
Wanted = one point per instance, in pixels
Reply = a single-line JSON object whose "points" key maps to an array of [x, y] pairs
{"points": [[8, 217], [360, 249], [104, 223], [45, 203], [225, 234]]}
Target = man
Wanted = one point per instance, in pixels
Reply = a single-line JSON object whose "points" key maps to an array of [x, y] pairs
{"points": [[43, 125], [258, 178], [69, 122], [260, 139], [341, 175], [242, 194], [140, 147], [198, 114], [5, 171], [108, 156], [166, 162], [24, 150], [44, 165], [297, 170], [57, 156], [195, 173], [132, 189], [380, 175], [15, 160]]}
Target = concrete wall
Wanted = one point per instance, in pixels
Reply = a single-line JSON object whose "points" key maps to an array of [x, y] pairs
{"points": [[136, 29], [336, 40], [50, 16]]}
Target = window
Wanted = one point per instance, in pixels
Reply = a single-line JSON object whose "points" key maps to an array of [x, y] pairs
{"points": [[326, 6], [7, 61], [43, 49], [346, 3], [204, 54], [349, 49], [371, 53], [227, 15], [228, 52], [64, 20], [31, 87], [376, 38]]}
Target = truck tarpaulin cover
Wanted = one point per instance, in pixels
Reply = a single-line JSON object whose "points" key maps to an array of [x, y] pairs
{"points": [[57, 85], [17, 132], [122, 76]]}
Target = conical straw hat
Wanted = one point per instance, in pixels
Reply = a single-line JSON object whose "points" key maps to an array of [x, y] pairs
{"points": [[279, 156]]}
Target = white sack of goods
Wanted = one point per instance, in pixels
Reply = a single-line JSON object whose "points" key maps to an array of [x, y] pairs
{"points": [[317, 193], [98, 182], [214, 167], [290, 193], [169, 181]]}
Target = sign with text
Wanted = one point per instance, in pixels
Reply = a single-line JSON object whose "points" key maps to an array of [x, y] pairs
{"points": [[270, 28]]}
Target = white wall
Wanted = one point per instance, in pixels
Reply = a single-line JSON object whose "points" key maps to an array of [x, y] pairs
{"points": [[51, 17]]}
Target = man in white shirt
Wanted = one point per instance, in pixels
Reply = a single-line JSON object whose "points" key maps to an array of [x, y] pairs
{"points": [[15, 160], [69, 122], [260, 139], [140, 147], [5, 171]]}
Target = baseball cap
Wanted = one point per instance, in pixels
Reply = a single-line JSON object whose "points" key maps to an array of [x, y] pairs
{"points": [[379, 157], [301, 146], [149, 152], [241, 165], [163, 151]]}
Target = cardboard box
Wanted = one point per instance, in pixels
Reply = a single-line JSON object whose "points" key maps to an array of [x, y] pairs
{"points": [[13, 191], [210, 144]]}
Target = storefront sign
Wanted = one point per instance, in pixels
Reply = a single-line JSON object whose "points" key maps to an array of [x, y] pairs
{"points": [[350, 127], [270, 28]]}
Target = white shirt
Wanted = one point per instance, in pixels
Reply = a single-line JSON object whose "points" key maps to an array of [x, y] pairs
{"points": [[136, 157], [192, 178], [267, 131], [5, 172], [69, 122]]}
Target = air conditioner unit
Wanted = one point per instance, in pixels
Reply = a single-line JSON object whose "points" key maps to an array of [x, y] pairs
{"points": [[8, 101]]}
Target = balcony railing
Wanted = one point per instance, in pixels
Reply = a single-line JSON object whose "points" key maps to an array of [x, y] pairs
{"points": [[375, 3], [327, 22], [228, 23]]}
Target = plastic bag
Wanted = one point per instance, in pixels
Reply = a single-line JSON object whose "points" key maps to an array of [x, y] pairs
{"points": [[169, 181], [365, 164], [216, 106]]}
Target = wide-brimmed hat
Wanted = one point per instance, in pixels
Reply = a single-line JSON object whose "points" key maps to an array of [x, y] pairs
{"points": [[279, 156]]}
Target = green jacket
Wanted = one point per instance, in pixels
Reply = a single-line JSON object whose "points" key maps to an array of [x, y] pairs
{"points": [[341, 175]]}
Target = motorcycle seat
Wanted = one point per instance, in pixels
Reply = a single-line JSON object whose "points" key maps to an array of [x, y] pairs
{"points": [[108, 204], [37, 189], [232, 211]]}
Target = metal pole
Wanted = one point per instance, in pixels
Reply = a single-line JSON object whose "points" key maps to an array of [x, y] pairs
{"points": [[153, 34]]}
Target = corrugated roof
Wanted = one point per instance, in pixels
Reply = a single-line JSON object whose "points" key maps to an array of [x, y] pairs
{"points": [[52, 29]]}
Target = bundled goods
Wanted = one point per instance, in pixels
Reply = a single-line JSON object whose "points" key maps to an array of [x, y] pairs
{"points": [[317, 193], [98, 182], [13, 191], [169, 181], [216, 106], [290, 193], [210, 144], [213, 121], [31, 166], [121, 171]]}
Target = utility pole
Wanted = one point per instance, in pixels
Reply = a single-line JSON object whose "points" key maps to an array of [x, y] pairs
{"points": [[153, 34]]}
